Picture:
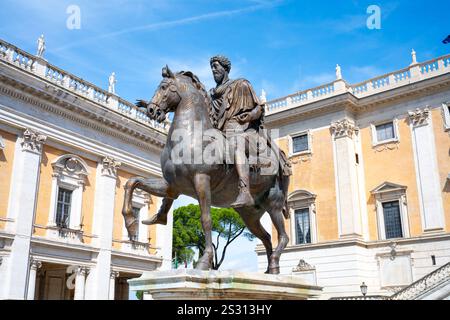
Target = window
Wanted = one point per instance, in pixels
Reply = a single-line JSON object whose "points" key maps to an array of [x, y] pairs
{"points": [[392, 220], [385, 131], [300, 143], [65, 211], [302, 204], [302, 226], [391, 210], [136, 214], [63, 208], [446, 115]]}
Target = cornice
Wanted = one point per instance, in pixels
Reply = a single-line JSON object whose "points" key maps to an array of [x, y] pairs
{"points": [[358, 106], [56, 100]]}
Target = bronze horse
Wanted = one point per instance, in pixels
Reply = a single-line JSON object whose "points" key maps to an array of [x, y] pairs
{"points": [[210, 184]]}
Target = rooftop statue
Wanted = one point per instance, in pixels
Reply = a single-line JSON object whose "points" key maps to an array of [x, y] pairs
{"points": [[219, 153], [41, 46]]}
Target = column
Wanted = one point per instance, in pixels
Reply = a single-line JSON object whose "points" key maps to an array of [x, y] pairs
{"points": [[112, 284], [347, 190], [21, 209], [35, 266], [80, 282], [427, 173], [105, 189]]}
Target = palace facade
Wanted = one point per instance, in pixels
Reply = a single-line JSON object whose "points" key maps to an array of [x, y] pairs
{"points": [[370, 191], [67, 148]]}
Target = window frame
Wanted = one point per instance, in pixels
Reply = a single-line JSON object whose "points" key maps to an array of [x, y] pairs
{"points": [[291, 143], [302, 199], [295, 226], [389, 192], [71, 190], [446, 115], [374, 125], [400, 216], [74, 180]]}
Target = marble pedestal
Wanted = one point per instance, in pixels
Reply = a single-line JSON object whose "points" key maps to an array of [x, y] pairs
{"points": [[186, 284]]}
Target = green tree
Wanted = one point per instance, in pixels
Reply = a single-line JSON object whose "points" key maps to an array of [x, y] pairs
{"points": [[188, 233]]}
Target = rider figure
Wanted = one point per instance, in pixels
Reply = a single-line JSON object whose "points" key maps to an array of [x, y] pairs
{"points": [[236, 110]]}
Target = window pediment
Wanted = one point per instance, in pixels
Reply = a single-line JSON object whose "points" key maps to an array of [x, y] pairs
{"points": [[388, 187], [301, 195], [70, 166]]}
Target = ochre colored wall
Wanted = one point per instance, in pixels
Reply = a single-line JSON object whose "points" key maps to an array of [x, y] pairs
{"points": [[442, 140], [49, 155], [393, 164], [315, 174], [6, 165]]}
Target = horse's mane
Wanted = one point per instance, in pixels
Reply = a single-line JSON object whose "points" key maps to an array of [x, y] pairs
{"points": [[197, 83]]}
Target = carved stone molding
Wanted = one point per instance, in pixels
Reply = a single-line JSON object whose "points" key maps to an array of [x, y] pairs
{"points": [[419, 117], [303, 266], [110, 166], [343, 128], [82, 271], [114, 274], [35, 264], [33, 141]]}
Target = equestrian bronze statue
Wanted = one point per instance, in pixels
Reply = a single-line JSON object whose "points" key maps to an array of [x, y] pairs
{"points": [[218, 152]]}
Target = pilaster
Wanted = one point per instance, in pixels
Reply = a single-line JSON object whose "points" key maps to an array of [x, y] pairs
{"points": [[22, 203], [427, 172], [347, 189]]}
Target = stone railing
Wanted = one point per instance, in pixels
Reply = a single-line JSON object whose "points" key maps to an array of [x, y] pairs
{"points": [[422, 285], [38, 66], [414, 73]]}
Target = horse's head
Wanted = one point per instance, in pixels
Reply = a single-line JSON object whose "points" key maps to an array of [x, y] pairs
{"points": [[171, 91]]}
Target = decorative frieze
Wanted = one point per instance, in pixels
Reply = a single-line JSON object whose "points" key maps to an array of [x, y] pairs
{"points": [[33, 141], [82, 271], [110, 166], [35, 264], [343, 128], [419, 117]]}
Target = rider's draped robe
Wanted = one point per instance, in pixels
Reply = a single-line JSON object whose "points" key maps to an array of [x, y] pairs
{"points": [[234, 98]]}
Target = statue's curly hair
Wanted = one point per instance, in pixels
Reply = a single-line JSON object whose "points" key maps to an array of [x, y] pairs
{"points": [[224, 62]]}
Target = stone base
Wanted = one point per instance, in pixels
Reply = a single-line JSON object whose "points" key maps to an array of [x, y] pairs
{"points": [[188, 284]]}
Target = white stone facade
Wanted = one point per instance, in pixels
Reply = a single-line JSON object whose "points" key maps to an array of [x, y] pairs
{"points": [[43, 105], [408, 99]]}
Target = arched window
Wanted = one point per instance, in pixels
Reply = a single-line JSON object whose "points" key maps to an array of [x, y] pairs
{"points": [[302, 204], [69, 177]]}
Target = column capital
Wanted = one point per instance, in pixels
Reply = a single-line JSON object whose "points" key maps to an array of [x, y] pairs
{"points": [[82, 270], [114, 274], [110, 166], [35, 264], [33, 141], [343, 128], [419, 117]]}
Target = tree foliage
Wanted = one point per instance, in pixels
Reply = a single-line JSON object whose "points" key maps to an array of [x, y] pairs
{"points": [[188, 235]]}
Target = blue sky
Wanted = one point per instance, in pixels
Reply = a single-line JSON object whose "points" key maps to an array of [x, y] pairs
{"points": [[281, 46]]}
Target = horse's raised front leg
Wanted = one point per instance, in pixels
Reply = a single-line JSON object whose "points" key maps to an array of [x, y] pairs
{"points": [[156, 187], [203, 190]]}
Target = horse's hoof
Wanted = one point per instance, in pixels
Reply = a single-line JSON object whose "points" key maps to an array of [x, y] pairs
{"points": [[156, 219], [274, 270]]}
